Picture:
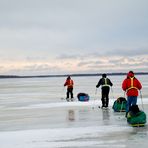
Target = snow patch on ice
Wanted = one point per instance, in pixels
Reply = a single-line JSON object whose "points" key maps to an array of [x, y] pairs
{"points": [[63, 137], [91, 103]]}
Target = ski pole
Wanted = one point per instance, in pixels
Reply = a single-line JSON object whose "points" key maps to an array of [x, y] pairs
{"points": [[112, 93], [62, 98], [96, 91], [141, 100], [94, 99], [124, 93]]}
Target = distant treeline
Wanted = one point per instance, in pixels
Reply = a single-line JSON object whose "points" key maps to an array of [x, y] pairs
{"points": [[65, 75]]}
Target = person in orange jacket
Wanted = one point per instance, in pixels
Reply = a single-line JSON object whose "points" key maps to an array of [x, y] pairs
{"points": [[131, 86], [69, 83]]}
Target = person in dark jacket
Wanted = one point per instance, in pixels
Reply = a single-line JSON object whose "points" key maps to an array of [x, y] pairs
{"points": [[105, 84], [69, 83], [131, 86]]}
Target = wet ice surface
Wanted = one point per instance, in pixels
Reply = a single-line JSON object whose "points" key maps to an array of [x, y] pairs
{"points": [[33, 115], [68, 125]]}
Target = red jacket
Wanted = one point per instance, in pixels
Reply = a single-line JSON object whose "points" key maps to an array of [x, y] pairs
{"points": [[69, 83], [131, 85]]}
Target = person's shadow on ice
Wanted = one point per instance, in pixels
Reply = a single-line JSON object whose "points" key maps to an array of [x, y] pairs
{"points": [[106, 116], [71, 115]]}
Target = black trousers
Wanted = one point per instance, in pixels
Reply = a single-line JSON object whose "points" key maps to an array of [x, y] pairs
{"points": [[105, 96], [70, 92]]}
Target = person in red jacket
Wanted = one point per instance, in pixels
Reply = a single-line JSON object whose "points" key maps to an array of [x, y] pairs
{"points": [[69, 83], [131, 86]]}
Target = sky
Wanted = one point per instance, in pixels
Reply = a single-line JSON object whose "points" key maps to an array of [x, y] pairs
{"points": [[40, 37]]}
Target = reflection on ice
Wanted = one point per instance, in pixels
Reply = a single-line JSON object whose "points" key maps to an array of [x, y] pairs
{"points": [[106, 116], [69, 127], [71, 115]]}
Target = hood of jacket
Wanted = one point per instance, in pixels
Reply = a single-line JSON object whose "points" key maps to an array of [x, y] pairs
{"points": [[130, 74]]}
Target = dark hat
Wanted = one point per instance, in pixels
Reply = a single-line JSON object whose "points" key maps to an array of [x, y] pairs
{"points": [[68, 77], [104, 75]]}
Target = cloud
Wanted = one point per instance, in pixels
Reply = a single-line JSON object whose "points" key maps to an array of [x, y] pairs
{"points": [[70, 25], [128, 52], [92, 63], [73, 35], [75, 64]]}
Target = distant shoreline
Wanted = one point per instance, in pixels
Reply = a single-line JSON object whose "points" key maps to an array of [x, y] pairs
{"points": [[65, 75]]}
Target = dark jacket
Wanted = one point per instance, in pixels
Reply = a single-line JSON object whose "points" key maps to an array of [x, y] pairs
{"points": [[104, 82]]}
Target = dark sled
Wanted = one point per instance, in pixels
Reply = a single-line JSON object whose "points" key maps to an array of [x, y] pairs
{"points": [[136, 117], [120, 105], [83, 97]]}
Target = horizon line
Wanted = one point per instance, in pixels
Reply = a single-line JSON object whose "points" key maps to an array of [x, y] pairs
{"points": [[74, 75]]}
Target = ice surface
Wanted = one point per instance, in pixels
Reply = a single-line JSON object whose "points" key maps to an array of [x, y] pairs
{"points": [[69, 124], [32, 118]]}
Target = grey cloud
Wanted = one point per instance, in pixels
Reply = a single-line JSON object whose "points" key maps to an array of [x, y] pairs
{"points": [[122, 63], [129, 52], [122, 53], [2, 67], [73, 29], [80, 56], [67, 56], [36, 58], [89, 63], [36, 69], [84, 63], [86, 23]]}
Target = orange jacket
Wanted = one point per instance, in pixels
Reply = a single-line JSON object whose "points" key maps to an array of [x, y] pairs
{"points": [[69, 83]]}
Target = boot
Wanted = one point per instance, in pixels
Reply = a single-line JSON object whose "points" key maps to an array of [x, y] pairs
{"points": [[72, 99], [67, 99]]}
